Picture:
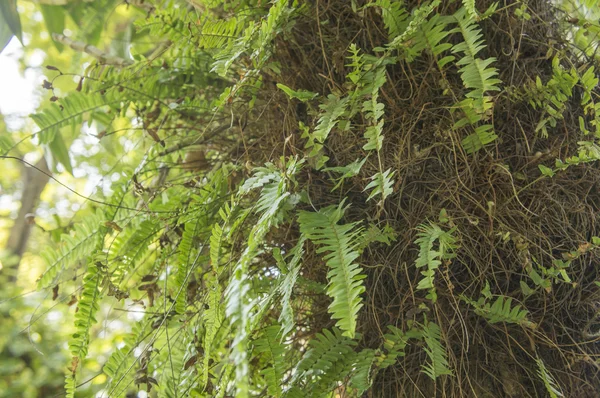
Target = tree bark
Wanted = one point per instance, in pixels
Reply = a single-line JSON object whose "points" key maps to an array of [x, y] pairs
{"points": [[34, 182]]}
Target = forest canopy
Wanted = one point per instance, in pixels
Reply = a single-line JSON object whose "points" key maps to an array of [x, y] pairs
{"points": [[302, 198]]}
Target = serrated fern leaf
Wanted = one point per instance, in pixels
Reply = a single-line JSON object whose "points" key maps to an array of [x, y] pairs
{"points": [[272, 352], [239, 302], [549, 382], [394, 17], [75, 246], [476, 73], [324, 350], [286, 317], [85, 318], [502, 310], [394, 343], [430, 256], [438, 361], [381, 185], [332, 108], [482, 136], [70, 112], [345, 278]]}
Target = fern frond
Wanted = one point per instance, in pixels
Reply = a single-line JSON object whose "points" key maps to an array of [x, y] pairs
{"points": [[75, 246], [345, 277], [119, 365], [482, 136], [332, 108], [186, 259], [272, 353], [324, 350], [286, 317], [69, 111], [212, 318], [238, 299], [394, 343], [381, 184], [362, 369], [438, 361], [476, 73], [430, 257], [394, 17], [549, 381], [420, 15], [85, 318], [502, 311]]}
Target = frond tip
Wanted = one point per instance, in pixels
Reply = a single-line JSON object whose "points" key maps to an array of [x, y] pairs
{"points": [[345, 276]]}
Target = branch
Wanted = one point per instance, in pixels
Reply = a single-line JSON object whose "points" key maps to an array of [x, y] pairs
{"points": [[95, 52]]}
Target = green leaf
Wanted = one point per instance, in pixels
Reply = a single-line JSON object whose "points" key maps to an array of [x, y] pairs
{"points": [[547, 171], [60, 153], [301, 95], [54, 17], [10, 17]]}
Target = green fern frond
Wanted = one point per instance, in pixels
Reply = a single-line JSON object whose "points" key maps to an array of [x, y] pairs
{"points": [[549, 381], [85, 318], [186, 260], [432, 36], [420, 15], [394, 343], [69, 111], [75, 246], [438, 358], [502, 311], [362, 371], [239, 302], [129, 247], [272, 353], [324, 351], [430, 257], [394, 17], [381, 184], [471, 9], [286, 317], [332, 108], [120, 364], [213, 319], [476, 73], [482, 136], [345, 277]]}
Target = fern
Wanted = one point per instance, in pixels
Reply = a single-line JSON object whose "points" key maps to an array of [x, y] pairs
{"points": [[345, 278], [286, 318], [476, 73], [482, 136], [438, 361], [381, 184], [430, 257], [324, 351], [332, 108], [70, 111], [272, 352], [85, 318], [213, 319], [187, 258], [502, 311], [238, 301], [394, 343], [119, 365], [394, 16], [548, 380], [76, 246], [420, 15]]}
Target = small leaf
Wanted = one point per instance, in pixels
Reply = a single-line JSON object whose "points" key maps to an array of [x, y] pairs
{"points": [[547, 171], [301, 95]]}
